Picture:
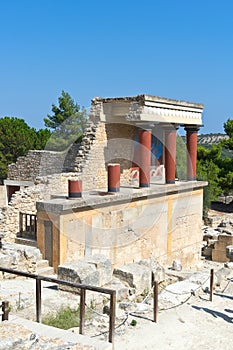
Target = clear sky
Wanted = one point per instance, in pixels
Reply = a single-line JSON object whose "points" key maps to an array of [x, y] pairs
{"points": [[180, 49]]}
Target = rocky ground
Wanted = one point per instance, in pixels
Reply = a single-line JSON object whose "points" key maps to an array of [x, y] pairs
{"points": [[186, 319]]}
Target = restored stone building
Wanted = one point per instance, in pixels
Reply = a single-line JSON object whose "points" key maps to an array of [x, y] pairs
{"points": [[147, 212]]}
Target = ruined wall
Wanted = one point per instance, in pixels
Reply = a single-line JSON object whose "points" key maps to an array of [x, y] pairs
{"points": [[25, 200], [42, 163], [102, 144]]}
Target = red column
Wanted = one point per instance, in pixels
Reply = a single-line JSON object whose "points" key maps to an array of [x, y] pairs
{"points": [[144, 139], [114, 177], [191, 143], [170, 154], [75, 188]]}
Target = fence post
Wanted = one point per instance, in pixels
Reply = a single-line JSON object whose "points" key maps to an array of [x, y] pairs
{"points": [[211, 283], [156, 303], [82, 311], [112, 317], [38, 300], [5, 310]]}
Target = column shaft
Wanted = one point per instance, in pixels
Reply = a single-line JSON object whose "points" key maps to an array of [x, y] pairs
{"points": [[170, 155], [144, 138], [191, 144]]}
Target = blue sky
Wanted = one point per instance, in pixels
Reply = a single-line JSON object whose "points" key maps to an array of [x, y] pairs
{"points": [[176, 49]]}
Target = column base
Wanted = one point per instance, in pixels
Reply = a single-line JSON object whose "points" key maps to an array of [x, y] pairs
{"points": [[170, 181], [113, 189], [75, 194], [191, 179], [144, 185]]}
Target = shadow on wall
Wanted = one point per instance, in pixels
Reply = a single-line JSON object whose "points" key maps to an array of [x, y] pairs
{"points": [[120, 145]]}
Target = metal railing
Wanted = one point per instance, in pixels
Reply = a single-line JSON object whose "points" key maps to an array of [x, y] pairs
{"points": [[83, 288], [4, 307], [27, 225]]}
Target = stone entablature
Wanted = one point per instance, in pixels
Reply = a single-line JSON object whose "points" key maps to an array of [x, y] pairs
{"points": [[146, 108]]}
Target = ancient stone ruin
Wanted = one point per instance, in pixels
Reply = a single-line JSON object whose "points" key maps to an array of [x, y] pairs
{"points": [[117, 194]]}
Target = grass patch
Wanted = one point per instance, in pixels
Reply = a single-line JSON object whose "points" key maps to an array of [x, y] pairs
{"points": [[65, 318]]}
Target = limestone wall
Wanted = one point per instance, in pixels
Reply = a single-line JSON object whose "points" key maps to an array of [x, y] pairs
{"points": [[166, 228]]}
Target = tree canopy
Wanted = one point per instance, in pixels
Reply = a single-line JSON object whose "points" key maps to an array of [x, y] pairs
{"points": [[216, 166], [16, 139], [67, 122]]}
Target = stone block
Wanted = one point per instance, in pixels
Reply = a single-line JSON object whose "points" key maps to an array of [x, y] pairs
{"points": [[219, 255], [158, 272], [137, 276], [227, 239], [103, 266], [93, 270], [122, 289], [79, 272]]}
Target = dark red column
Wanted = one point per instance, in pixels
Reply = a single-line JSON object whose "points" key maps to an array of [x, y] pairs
{"points": [[114, 177], [191, 144], [170, 154], [75, 188], [144, 139]]}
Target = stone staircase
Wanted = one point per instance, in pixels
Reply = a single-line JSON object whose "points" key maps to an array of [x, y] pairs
{"points": [[26, 257], [43, 268]]}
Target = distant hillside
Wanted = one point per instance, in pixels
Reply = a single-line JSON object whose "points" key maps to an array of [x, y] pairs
{"points": [[207, 140], [211, 139]]}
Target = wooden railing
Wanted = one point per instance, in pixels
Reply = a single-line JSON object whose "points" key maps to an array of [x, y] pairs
{"points": [[27, 226], [83, 288]]}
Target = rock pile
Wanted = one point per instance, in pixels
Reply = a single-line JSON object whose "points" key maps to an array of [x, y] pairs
{"points": [[215, 240]]}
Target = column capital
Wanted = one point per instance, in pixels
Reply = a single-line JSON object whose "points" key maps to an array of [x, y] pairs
{"points": [[170, 127], [192, 128]]}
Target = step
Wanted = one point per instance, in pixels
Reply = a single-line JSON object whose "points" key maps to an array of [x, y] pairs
{"points": [[26, 241], [45, 271], [40, 264]]}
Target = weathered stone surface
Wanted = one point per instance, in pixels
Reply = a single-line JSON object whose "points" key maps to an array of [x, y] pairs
{"points": [[122, 289], [19, 257], [94, 270], [103, 265], [158, 272], [137, 276], [79, 272]]}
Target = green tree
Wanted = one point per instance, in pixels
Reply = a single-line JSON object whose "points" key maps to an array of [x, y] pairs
{"points": [[42, 137], [16, 139], [215, 165], [226, 163], [181, 158], [67, 122], [208, 170]]}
